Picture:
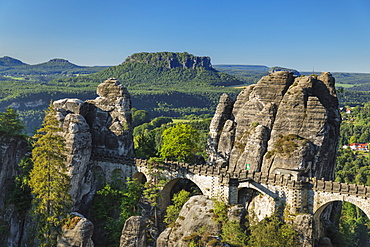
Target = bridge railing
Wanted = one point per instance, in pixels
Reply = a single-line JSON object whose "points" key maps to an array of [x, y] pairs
{"points": [[225, 175], [343, 188]]}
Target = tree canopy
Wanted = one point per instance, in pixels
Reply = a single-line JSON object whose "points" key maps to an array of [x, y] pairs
{"points": [[10, 124], [180, 143]]}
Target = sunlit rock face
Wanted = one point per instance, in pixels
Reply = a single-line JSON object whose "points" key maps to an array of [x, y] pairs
{"points": [[282, 124], [99, 127], [110, 119]]}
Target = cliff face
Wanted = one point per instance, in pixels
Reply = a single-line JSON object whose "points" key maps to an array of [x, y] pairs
{"points": [[171, 60], [282, 124], [12, 150]]}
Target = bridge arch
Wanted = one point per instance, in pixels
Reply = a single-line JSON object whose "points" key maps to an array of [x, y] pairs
{"points": [[117, 176], [99, 177], [255, 196], [323, 199], [167, 190], [141, 177]]}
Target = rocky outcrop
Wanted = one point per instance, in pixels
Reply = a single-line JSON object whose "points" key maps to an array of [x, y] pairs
{"points": [[171, 60], [12, 150], [134, 232], [77, 233], [110, 119], [282, 124], [93, 128], [223, 113], [196, 214]]}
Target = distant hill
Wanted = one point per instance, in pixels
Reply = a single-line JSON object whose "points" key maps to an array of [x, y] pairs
{"points": [[10, 62], [164, 83], [13, 67], [248, 74], [171, 60], [259, 68]]}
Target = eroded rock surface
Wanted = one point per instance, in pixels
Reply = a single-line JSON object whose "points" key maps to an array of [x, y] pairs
{"points": [[77, 234], [283, 124], [196, 214], [98, 127], [12, 150], [134, 232]]}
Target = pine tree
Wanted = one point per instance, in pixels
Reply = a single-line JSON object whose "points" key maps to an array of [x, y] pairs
{"points": [[49, 180], [10, 123]]}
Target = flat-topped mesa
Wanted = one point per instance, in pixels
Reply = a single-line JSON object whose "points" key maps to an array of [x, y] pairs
{"points": [[171, 60], [283, 124]]}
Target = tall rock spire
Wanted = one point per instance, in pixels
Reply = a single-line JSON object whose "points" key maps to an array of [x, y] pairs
{"points": [[282, 124]]}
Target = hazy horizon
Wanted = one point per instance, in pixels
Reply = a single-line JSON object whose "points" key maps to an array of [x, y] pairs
{"points": [[324, 35]]}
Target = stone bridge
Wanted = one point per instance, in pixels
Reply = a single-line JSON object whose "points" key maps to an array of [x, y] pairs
{"points": [[301, 194]]}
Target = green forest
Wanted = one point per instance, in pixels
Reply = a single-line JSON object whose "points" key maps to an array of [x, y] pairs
{"points": [[153, 138], [169, 103], [162, 91]]}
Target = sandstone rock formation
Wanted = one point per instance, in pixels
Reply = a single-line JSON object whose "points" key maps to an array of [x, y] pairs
{"points": [[12, 150], [283, 124], [96, 127], [134, 232], [77, 234], [194, 215], [110, 119]]}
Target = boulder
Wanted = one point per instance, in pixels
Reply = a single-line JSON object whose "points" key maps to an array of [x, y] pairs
{"points": [[77, 233], [195, 215], [134, 232]]}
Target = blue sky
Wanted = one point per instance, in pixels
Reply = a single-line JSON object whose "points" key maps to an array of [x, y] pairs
{"points": [[324, 35]]}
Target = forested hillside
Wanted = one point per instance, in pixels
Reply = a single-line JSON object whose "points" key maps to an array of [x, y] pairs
{"points": [[168, 84], [14, 67], [163, 83], [353, 167]]}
